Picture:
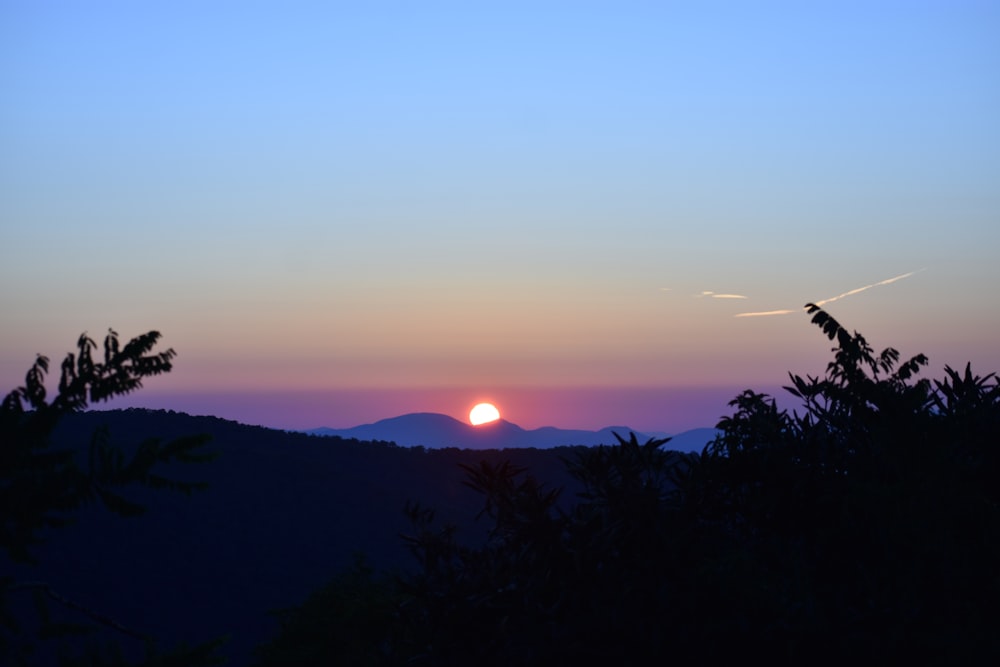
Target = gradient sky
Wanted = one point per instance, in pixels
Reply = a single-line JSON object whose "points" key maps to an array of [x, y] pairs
{"points": [[337, 212]]}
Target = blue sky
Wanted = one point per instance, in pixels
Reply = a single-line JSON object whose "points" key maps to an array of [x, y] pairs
{"points": [[319, 196]]}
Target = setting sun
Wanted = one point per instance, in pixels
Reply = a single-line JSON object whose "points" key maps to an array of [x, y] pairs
{"points": [[483, 413]]}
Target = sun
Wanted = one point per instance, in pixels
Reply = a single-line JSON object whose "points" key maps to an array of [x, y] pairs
{"points": [[483, 414]]}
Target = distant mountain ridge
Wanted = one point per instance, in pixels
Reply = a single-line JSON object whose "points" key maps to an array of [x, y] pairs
{"points": [[436, 431]]}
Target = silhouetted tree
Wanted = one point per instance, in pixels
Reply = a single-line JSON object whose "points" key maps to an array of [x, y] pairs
{"points": [[343, 623], [871, 516], [40, 486]]}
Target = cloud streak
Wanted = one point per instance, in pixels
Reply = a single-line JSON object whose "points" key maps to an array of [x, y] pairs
{"points": [[858, 290], [765, 313], [713, 295]]}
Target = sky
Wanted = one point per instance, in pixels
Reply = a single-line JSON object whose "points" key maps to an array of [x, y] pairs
{"points": [[337, 212]]}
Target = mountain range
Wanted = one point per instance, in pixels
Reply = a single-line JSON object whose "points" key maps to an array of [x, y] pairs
{"points": [[436, 431]]}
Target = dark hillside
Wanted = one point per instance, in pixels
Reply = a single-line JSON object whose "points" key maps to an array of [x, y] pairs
{"points": [[283, 513]]}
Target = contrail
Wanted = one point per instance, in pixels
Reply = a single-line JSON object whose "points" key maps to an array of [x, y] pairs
{"points": [[713, 295], [862, 289], [831, 299], [765, 313]]}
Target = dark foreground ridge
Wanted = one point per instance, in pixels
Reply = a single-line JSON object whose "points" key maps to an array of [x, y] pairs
{"points": [[282, 513]]}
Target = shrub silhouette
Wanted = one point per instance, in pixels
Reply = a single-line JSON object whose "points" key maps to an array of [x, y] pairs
{"points": [[40, 487], [862, 526], [872, 512]]}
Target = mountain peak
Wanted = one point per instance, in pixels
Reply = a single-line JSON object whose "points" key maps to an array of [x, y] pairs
{"points": [[434, 430]]}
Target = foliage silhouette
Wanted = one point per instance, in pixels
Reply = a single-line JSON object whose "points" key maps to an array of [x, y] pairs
{"points": [[863, 527], [342, 623], [40, 486]]}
